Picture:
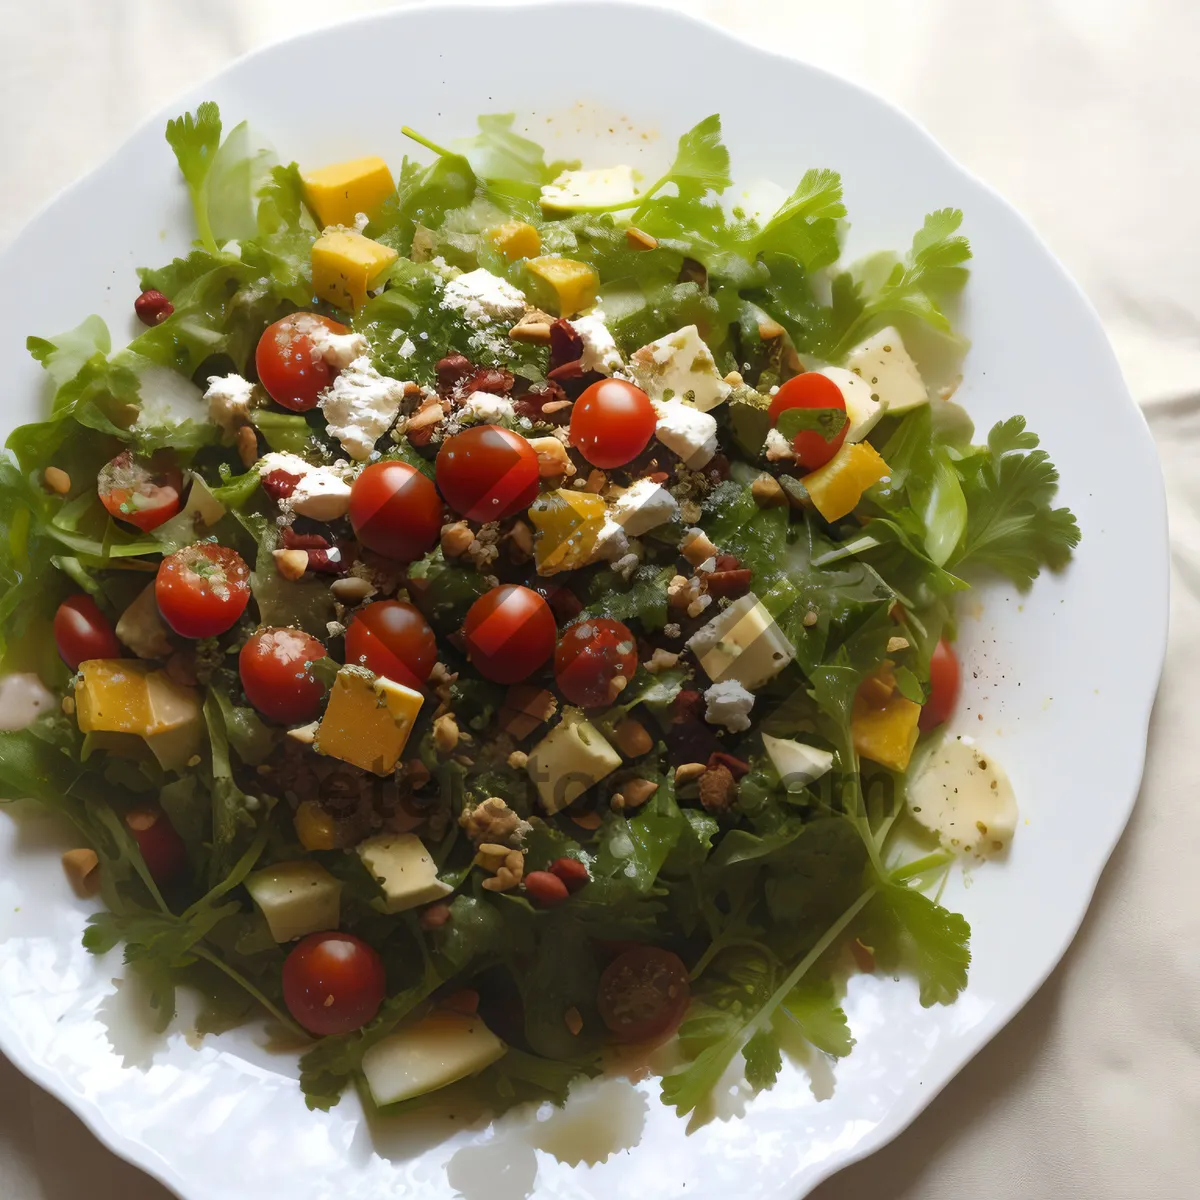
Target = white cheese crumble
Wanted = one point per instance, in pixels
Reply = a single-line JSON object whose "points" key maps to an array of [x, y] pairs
{"points": [[687, 431], [322, 493], [230, 398], [484, 407], [728, 703], [612, 542], [483, 297], [680, 366], [643, 506], [360, 406], [338, 350], [600, 351]]}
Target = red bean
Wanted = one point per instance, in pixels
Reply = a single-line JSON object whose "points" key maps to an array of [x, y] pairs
{"points": [[544, 888], [152, 307], [572, 872]]}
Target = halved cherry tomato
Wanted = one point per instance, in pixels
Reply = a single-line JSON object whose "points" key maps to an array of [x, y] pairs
{"points": [[396, 511], [289, 366], [333, 983], [509, 633], [143, 492], [945, 679], [612, 422], [82, 631], [160, 844], [202, 590], [643, 994], [487, 473], [813, 391], [394, 640], [275, 666], [595, 659]]}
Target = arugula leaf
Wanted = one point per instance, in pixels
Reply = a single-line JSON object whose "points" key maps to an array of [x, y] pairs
{"points": [[1010, 526], [194, 139]]}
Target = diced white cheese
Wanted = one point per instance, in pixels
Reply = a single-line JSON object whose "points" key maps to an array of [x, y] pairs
{"points": [[687, 431], [680, 366], [643, 506], [360, 406], [887, 367], [600, 188], [744, 643], [483, 297], [963, 795], [484, 407], [612, 542], [338, 350], [404, 870], [321, 493], [798, 764], [571, 758], [230, 399], [600, 351], [862, 410], [729, 704], [297, 898]]}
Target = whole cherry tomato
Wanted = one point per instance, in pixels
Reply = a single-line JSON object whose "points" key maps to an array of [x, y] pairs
{"points": [[146, 493], [393, 639], [333, 983], [595, 659], [816, 392], [275, 666], [202, 589], [82, 631], [945, 679], [643, 994], [396, 511], [612, 423], [509, 633], [487, 472], [289, 366]]}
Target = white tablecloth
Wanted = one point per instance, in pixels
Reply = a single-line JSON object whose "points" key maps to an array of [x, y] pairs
{"points": [[1082, 112]]}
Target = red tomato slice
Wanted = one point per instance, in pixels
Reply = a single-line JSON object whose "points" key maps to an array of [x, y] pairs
{"points": [[202, 590], [392, 639], [487, 473], [275, 666], [144, 493], [945, 680], [82, 631], [289, 367], [643, 994], [509, 633], [592, 656], [812, 391], [612, 423], [396, 511], [333, 983]]}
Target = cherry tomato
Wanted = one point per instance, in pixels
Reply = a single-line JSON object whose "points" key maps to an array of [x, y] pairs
{"points": [[611, 423], [289, 366], [144, 493], [276, 670], [594, 660], [393, 640], [487, 473], [509, 633], [161, 847], [82, 631], [945, 678], [643, 994], [396, 511], [202, 590], [333, 983], [811, 390]]}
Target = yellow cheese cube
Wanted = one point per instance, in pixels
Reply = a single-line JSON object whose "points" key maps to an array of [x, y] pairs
{"points": [[367, 721], [573, 283], [838, 486], [346, 265], [337, 194], [883, 722], [404, 870], [516, 239], [568, 524]]}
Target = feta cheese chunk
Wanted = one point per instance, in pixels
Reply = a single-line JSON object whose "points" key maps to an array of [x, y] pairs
{"points": [[321, 493], [600, 351], [961, 794], [742, 642], [571, 758], [230, 399], [863, 411], [687, 431], [644, 506], [600, 188], [612, 542], [798, 764], [680, 366], [729, 704], [296, 898], [360, 406], [888, 369], [338, 350], [484, 407], [483, 297]]}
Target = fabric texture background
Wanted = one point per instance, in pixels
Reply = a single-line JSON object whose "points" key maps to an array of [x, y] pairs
{"points": [[1082, 113]]}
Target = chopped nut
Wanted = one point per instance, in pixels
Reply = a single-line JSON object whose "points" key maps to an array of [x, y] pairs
{"points": [[457, 539], [445, 734], [573, 1021], [597, 481], [661, 660], [552, 456], [686, 772], [589, 820], [635, 793], [639, 240], [429, 414], [518, 760], [291, 564], [493, 822], [533, 327], [80, 866], [696, 547], [718, 788], [770, 329], [734, 379], [246, 441], [632, 739], [57, 480], [556, 406], [351, 589], [897, 643], [768, 492], [68, 705], [810, 618], [698, 605], [305, 734], [507, 873]]}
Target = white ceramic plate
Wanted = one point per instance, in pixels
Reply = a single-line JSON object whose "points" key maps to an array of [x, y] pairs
{"points": [[1049, 690]]}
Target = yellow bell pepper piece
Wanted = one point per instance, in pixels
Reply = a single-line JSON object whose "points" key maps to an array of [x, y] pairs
{"points": [[883, 722], [516, 239], [346, 265], [568, 524], [337, 194], [574, 283], [837, 487], [315, 828]]}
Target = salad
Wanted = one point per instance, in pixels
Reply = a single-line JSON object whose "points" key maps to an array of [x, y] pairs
{"points": [[503, 611]]}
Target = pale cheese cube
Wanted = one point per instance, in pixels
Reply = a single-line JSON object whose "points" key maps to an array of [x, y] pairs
{"points": [[680, 367], [744, 643], [297, 898], [887, 367], [571, 758]]}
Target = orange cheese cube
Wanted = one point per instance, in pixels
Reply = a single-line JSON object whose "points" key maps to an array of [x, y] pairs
{"points": [[346, 266], [516, 239], [573, 283], [337, 194], [367, 721]]}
